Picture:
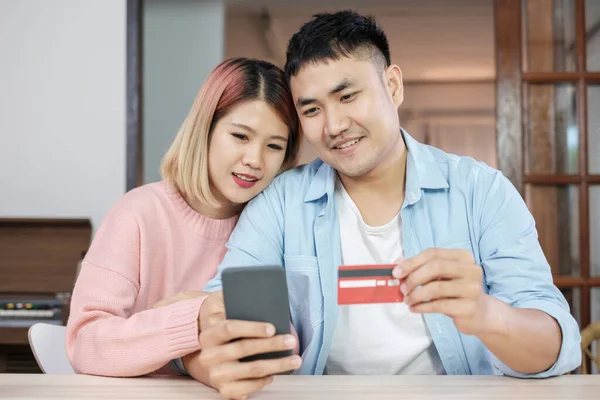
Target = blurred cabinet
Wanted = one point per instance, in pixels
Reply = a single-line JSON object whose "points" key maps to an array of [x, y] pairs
{"points": [[38, 266]]}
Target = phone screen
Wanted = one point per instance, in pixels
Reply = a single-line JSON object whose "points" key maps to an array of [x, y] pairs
{"points": [[258, 294]]}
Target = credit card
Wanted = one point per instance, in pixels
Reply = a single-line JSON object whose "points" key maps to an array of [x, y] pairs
{"points": [[368, 284]]}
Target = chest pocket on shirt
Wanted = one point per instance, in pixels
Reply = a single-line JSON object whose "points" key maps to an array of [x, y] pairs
{"points": [[304, 288]]}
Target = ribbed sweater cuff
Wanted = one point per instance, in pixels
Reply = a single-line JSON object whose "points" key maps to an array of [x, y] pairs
{"points": [[182, 326]]}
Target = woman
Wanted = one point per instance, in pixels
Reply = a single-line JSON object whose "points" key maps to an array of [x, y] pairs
{"points": [[170, 236]]}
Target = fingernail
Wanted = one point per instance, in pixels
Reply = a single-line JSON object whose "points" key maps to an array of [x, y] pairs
{"points": [[397, 272], [296, 362], [270, 330], [289, 341], [403, 288]]}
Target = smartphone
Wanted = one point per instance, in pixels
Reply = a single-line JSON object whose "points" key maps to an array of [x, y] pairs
{"points": [[258, 294]]}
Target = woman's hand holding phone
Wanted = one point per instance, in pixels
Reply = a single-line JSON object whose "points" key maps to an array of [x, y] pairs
{"points": [[225, 342]]}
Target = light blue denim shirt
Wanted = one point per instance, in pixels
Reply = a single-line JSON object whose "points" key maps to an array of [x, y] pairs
{"points": [[450, 202]]}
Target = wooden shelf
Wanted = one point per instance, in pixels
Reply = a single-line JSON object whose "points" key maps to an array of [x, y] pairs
{"points": [[13, 336], [559, 77], [576, 281], [563, 179]]}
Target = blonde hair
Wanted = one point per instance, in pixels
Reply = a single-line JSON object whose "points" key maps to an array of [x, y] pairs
{"points": [[185, 165]]}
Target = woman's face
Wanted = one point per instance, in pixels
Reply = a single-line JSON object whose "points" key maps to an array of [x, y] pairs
{"points": [[246, 150]]}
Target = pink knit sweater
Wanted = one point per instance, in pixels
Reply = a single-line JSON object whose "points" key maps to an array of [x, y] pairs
{"points": [[150, 246]]}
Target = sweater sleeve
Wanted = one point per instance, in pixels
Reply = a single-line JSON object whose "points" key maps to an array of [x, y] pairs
{"points": [[103, 336]]}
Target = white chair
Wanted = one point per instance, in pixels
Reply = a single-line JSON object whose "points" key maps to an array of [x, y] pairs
{"points": [[47, 342]]}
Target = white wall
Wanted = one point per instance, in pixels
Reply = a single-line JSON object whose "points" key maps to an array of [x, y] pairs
{"points": [[62, 107], [183, 42]]}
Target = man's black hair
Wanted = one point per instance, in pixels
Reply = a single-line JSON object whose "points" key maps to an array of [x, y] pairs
{"points": [[331, 36]]}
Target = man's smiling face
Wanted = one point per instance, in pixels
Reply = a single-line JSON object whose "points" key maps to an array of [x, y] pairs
{"points": [[348, 109]]}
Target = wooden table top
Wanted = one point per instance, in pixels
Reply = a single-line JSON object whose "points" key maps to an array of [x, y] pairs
{"points": [[572, 387]]}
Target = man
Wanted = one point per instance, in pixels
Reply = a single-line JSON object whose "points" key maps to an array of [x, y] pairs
{"points": [[479, 297]]}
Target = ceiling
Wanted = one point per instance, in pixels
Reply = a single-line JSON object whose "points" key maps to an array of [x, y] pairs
{"points": [[305, 8], [431, 40]]}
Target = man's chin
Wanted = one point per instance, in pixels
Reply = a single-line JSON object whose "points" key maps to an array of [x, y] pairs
{"points": [[355, 169], [351, 172]]}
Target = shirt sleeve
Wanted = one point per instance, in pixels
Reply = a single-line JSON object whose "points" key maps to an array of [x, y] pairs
{"points": [[257, 239], [103, 336], [516, 270]]}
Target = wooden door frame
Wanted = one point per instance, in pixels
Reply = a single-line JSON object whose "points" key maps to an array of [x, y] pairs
{"points": [[134, 131], [510, 127]]}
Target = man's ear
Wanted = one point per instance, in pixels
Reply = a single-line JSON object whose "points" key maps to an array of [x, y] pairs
{"points": [[393, 77]]}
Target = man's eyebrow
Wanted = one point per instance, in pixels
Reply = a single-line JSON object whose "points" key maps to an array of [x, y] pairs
{"points": [[344, 84], [303, 101]]}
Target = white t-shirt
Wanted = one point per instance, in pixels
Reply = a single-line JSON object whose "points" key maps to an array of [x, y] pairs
{"points": [[377, 339]]}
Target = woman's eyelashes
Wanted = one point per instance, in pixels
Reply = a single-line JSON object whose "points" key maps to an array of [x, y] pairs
{"points": [[239, 136], [244, 138], [276, 147]]}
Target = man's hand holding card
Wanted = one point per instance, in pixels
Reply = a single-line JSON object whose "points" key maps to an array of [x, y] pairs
{"points": [[445, 281]]}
